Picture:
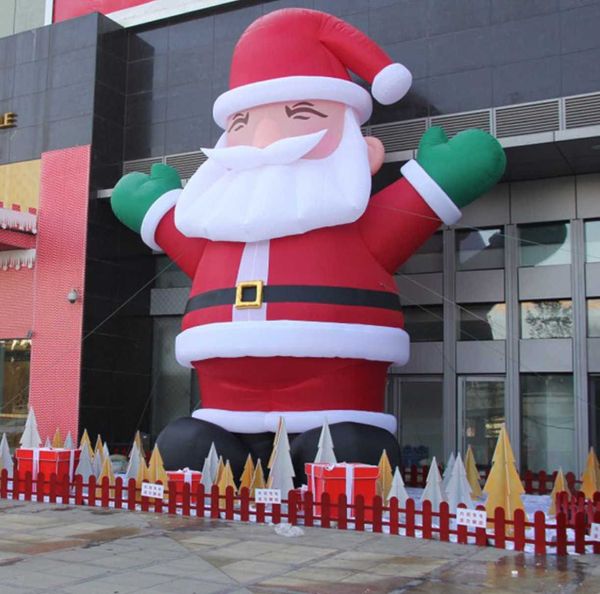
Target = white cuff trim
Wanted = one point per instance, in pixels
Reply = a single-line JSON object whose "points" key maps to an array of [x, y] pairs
{"points": [[154, 216], [428, 189], [237, 421], [289, 338]]}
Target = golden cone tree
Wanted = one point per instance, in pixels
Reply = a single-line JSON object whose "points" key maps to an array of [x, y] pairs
{"points": [[247, 473], [590, 480], [385, 477], [143, 473], [560, 486], [86, 443], [220, 468], [99, 448], [57, 440], [280, 427], [226, 480], [472, 474], [503, 485], [258, 478], [107, 471], [156, 468], [138, 442]]}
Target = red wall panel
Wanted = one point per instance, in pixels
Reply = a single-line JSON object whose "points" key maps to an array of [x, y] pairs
{"points": [[68, 9], [16, 302], [60, 267]]}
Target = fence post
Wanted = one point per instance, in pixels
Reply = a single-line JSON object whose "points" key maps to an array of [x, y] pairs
{"points": [[260, 513], [542, 478], [580, 527], [229, 503], [539, 528], [462, 534], [105, 492], [359, 513], [444, 522], [78, 484], [174, 497], [377, 514], [309, 517], [424, 473], [245, 504], [499, 528], [200, 500], [570, 478], [394, 515], [28, 486], [413, 476], [214, 503], [561, 534], [325, 510], [410, 517], [276, 513], [519, 521], [65, 489], [186, 497], [528, 481], [480, 533], [596, 545], [426, 519], [52, 487], [131, 494], [4, 483], [92, 491], [118, 493], [293, 503], [342, 512]]}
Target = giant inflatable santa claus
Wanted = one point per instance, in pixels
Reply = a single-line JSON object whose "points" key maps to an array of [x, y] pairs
{"points": [[293, 310]]}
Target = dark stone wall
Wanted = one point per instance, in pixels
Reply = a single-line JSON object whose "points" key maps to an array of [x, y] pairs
{"points": [[464, 55]]}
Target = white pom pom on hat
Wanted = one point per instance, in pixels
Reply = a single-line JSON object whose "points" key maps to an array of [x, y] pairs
{"points": [[301, 54]]}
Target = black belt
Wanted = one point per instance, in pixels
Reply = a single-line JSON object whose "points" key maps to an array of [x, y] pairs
{"points": [[253, 294]]}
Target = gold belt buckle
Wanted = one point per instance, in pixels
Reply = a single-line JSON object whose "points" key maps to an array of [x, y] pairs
{"points": [[239, 294]]}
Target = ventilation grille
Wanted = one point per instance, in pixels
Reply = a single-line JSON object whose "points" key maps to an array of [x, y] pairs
{"points": [[400, 136], [187, 163], [527, 119], [582, 111], [141, 165], [453, 124]]}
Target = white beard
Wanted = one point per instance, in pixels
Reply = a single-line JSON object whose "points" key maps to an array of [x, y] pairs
{"points": [[283, 194]]}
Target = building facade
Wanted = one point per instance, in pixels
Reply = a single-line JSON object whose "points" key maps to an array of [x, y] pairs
{"points": [[503, 308]]}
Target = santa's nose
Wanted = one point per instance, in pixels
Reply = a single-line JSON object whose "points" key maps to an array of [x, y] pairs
{"points": [[266, 132]]}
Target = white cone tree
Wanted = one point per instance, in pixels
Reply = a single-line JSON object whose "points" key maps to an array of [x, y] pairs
{"points": [[31, 437], [85, 467], [68, 444], [448, 470], [281, 475], [433, 491], [207, 475], [133, 467], [213, 463], [398, 490], [459, 489], [5, 457], [325, 453]]}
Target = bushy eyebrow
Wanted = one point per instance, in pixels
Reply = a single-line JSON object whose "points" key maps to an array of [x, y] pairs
{"points": [[303, 107]]}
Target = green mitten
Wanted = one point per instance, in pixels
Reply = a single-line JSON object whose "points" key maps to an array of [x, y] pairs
{"points": [[466, 166], [136, 192]]}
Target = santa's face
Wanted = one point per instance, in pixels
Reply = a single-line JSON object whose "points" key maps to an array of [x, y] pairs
{"points": [[281, 169]]}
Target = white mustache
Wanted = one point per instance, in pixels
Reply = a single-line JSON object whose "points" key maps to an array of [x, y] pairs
{"points": [[281, 152]]}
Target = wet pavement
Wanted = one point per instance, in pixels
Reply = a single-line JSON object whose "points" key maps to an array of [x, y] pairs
{"points": [[46, 548]]}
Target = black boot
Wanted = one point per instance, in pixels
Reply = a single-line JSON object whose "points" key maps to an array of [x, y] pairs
{"points": [[352, 442], [186, 442]]}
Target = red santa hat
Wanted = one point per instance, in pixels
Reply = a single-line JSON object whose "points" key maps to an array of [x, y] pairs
{"points": [[300, 54]]}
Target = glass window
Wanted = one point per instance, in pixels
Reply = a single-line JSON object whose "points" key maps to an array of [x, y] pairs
{"points": [[593, 317], [482, 321], [170, 276], [544, 244], [594, 411], [480, 249], [482, 408], [418, 404], [546, 319], [592, 241], [14, 387], [547, 422], [428, 258], [424, 323]]}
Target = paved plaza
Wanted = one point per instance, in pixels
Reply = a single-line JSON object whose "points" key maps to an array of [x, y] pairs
{"points": [[47, 548]]}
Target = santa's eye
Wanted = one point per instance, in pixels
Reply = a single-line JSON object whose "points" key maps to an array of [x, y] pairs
{"points": [[238, 121], [303, 111]]}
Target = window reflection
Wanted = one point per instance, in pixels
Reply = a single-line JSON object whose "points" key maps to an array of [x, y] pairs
{"points": [[545, 244], [482, 321], [592, 241], [546, 319], [424, 323], [547, 424], [428, 258], [593, 318], [480, 249]]}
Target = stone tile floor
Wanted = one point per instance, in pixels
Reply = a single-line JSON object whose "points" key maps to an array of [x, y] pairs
{"points": [[47, 548]]}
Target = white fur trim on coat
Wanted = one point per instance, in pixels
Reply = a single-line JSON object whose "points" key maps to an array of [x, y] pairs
{"points": [[290, 338], [290, 88], [237, 421], [155, 215], [429, 190]]}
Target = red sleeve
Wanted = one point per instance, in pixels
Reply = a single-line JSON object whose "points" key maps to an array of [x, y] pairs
{"points": [[184, 251], [396, 222]]}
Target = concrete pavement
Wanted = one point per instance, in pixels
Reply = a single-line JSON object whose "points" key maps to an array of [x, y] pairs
{"points": [[48, 548]]}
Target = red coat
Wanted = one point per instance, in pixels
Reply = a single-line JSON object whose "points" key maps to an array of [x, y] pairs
{"points": [[362, 255]]}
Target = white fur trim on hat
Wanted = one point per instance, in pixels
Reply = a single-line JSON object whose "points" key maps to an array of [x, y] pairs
{"points": [[292, 338], [155, 215], [391, 84], [290, 88], [241, 421], [431, 192]]}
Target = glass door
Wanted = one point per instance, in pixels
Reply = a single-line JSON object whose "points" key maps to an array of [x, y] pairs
{"points": [[480, 415]]}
